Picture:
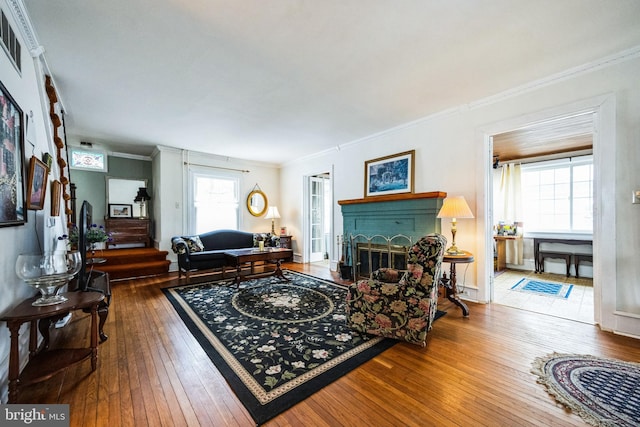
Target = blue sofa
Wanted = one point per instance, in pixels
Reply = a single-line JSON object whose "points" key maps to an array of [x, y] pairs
{"points": [[206, 251]]}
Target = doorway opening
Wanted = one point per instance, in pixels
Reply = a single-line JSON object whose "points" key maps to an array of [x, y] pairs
{"points": [[543, 188], [319, 224]]}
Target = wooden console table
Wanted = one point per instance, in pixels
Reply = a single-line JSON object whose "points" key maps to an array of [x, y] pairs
{"points": [[539, 256], [450, 284], [44, 363]]}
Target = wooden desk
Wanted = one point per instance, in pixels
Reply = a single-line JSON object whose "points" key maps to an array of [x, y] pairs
{"points": [[450, 283], [238, 257], [44, 364], [501, 250]]}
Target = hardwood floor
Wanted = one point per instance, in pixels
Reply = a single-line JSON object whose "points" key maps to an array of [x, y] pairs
{"points": [[474, 371]]}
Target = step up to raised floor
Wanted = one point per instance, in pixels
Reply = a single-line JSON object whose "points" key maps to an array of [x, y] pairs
{"points": [[132, 262]]}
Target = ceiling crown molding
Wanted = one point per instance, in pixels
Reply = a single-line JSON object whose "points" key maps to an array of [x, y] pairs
{"points": [[20, 15], [607, 61]]}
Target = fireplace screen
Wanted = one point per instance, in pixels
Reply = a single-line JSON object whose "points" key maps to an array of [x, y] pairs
{"points": [[379, 252]]}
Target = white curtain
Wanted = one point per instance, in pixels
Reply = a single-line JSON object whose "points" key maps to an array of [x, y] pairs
{"points": [[509, 208]]}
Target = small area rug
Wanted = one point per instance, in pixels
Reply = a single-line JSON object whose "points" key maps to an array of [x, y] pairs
{"points": [[276, 343], [604, 392], [557, 290]]}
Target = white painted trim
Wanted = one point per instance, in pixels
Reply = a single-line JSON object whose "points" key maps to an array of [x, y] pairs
{"points": [[20, 15], [306, 235], [28, 33], [616, 58], [626, 314], [128, 156], [604, 248]]}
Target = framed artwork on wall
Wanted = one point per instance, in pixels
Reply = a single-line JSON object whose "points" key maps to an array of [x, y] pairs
{"points": [[37, 184], [390, 174], [12, 201], [120, 210]]}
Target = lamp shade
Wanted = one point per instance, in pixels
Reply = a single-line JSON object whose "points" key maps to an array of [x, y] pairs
{"points": [[455, 207], [142, 195], [272, 213]]}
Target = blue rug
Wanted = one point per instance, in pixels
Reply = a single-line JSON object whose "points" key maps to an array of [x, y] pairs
{"points": [[604, 392], [557, 290]]}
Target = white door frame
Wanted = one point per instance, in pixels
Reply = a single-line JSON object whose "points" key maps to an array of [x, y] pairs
{"points": [[306, 196], [604, 227]]}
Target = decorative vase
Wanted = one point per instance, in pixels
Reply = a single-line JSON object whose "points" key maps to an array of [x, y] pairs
{"points": [[48, 273]]}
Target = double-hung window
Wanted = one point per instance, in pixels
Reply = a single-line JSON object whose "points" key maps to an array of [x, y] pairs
{"points": [[558, 195], [214, 201]]}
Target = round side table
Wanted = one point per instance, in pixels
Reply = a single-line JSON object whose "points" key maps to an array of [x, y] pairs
{"points": [[449, 283]]}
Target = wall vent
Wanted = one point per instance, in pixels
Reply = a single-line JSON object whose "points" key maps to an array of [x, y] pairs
{"points": [[10, 43]]}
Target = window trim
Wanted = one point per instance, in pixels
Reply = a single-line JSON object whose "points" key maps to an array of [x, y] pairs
{"points": [[195, 171]]}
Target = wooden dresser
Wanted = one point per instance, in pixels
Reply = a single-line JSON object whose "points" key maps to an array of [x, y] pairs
{"points": [[285, 242], [128, 230]]}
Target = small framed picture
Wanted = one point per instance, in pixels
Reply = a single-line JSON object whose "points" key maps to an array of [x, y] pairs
{"points": [[120, 211], [56, 190], [389, 175], [37, 185], [283, 231]]}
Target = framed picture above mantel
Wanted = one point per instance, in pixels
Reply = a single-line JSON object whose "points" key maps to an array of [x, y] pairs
{"points": [[392, 174]]}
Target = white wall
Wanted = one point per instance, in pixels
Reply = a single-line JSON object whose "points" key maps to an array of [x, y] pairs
{"points": [[33, 237], [170, 177], [450, 155]]}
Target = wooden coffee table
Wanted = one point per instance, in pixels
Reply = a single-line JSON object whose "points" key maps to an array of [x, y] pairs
{"points": [[239, 257]]}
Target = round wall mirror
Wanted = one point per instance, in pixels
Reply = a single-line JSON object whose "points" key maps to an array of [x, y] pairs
{"points": [[257, 203]]}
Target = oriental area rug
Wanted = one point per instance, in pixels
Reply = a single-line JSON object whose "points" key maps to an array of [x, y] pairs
{"points": [[276, 343], [604, 392]]}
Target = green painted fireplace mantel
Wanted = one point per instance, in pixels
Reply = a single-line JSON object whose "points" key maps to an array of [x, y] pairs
{"points": [[410, 214]]}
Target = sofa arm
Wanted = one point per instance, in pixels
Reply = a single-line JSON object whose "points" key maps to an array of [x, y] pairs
{"points": [[179, 246]]}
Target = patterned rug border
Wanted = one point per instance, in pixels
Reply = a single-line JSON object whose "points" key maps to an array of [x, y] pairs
{"points": [[564, 293], [598, 414], [267, 405]]}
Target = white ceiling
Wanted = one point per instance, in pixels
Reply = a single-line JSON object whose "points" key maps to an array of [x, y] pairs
{"points": [[278, 80]]}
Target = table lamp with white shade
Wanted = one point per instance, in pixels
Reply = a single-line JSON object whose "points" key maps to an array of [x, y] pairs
{"points": [[272, 214], [454, 207]]}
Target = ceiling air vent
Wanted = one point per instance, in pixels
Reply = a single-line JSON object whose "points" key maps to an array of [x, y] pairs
{"points": [[9, 41]]}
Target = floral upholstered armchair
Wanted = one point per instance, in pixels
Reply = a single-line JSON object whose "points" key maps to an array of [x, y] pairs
{"points": [[400, 309]]}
